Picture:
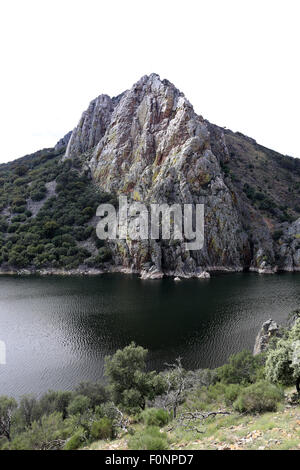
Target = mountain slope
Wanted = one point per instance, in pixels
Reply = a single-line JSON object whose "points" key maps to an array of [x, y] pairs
{"points": [[277, 430], [46, 214], [150, 145]]}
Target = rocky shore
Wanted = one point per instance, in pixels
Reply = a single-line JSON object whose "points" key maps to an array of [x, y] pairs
{"points": [[270, 329]]}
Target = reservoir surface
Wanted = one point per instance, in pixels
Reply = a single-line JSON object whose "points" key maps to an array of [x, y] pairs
{"points": [[58, 330]]}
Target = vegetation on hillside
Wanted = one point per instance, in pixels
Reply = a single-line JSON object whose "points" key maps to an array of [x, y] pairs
{"points": [[46, 209], [140, 409], [270, 181]]}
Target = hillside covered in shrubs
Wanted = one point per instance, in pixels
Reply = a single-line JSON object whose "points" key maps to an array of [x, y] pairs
{"points": [[47, 207], [241, 404]]}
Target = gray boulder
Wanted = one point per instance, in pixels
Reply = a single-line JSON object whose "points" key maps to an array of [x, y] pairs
{"points": [[270, 329]]}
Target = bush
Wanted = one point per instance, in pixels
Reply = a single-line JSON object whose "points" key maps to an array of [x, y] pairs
{"points": [[75, 441], [102, 429], [155, 417], [241, 368], [54, 401], [104, 254], [96, 392], [79, 405], [283, 362], [41, 432], [231, 393], [13, 227], [150, 439], [258, 398]]}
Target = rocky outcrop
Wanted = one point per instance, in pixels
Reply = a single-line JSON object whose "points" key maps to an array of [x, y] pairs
{"points": [[289, 247], [150, 145], [62, 143], [92, 126], [269, 330]]}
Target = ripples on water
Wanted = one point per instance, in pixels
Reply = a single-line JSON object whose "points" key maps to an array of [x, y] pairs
{"points": [[58, 330]]}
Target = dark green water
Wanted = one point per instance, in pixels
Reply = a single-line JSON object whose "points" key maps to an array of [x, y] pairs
{"points": [[58, 330]]}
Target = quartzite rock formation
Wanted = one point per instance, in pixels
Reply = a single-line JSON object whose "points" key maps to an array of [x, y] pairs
{"points": [[150, 145]]}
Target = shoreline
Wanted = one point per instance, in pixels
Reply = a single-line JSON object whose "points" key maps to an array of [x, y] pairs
{"points": [[204, 273]]}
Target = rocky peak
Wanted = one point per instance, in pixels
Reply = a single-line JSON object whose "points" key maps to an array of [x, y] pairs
{"points": [[92, 126], [152, 123], [149, 144], [148, 102]]}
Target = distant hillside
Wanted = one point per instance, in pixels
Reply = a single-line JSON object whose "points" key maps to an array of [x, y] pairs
{"points": [[149, 145]]}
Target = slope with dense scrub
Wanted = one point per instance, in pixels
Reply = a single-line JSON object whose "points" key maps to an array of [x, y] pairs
{"points": [[279, 430], [47, 214]]}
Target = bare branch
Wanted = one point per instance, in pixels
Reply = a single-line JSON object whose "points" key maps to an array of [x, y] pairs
{"points": [[188, 418]]}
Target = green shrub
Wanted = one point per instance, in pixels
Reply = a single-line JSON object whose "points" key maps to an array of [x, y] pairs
{"points": [[96, 392], [41, 432], [54, 401], [79, 405], [241, 368], [149, 439], [18, 209], [215, 392], [104, 254], [102, 429], [258, 398], [75, 441], [231, 393], [283, 362], [155, 417], [13, 227]]}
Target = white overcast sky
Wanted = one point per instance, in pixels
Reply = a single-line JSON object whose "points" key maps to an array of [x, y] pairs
{"points": [[236, 61]]}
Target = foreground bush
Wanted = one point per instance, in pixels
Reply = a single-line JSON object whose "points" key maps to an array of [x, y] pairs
{"points": [[283, 362], [102, 429], [49, 428], [258, 398], [150, 439], [242, 368], [75, 441], [155, 417], [79, 405], [232, 392]]}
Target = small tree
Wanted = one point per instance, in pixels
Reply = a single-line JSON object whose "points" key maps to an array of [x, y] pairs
{"points": [[130, 384], [96, 392], [283, 363], [28, 409], [54, 401], [176, 383], [7, 407]]}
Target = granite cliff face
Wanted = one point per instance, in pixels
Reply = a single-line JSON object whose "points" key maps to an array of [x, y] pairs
{"points": [[150, 145]]}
